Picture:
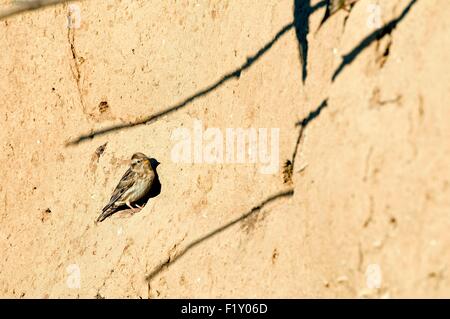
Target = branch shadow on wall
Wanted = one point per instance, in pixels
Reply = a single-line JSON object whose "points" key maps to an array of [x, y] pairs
{"points": [[301, 21], [172, 259], [26, 6], [289, 165], [227, 77], [304, 123], [331, 10], [374, 36], [302, 11]]}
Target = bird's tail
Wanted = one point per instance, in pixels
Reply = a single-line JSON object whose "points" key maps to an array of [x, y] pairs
{"points": [[106, 212]]}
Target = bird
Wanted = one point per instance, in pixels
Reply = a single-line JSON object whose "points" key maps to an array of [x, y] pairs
{"points": [[132, 187]]}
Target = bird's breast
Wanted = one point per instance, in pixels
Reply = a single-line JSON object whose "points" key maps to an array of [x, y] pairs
{"points": [[142, 186]]}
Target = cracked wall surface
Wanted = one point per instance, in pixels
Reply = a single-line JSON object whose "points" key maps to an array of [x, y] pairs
{"points": [[364, 177]]}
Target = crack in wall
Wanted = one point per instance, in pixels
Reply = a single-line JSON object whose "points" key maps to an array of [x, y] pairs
{"points": [[75, 63]]}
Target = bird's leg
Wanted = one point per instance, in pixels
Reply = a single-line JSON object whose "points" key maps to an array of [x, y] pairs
{"points": [[134, 209], [131, 207]]}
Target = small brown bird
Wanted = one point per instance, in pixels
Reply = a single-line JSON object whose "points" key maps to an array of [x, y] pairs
{"points": [[133, 185]]}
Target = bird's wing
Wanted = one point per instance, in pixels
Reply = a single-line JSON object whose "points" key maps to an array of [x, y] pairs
{"points": [[127, 181]]}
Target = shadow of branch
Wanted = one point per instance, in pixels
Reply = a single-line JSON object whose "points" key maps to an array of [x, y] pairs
{"points": [[25, 6], [375, 35], [231, 75], [302, 12], [172, 259], [303, 124]]}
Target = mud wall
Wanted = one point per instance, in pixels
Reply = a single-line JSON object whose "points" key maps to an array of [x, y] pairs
{"points": [[362, 108]]}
